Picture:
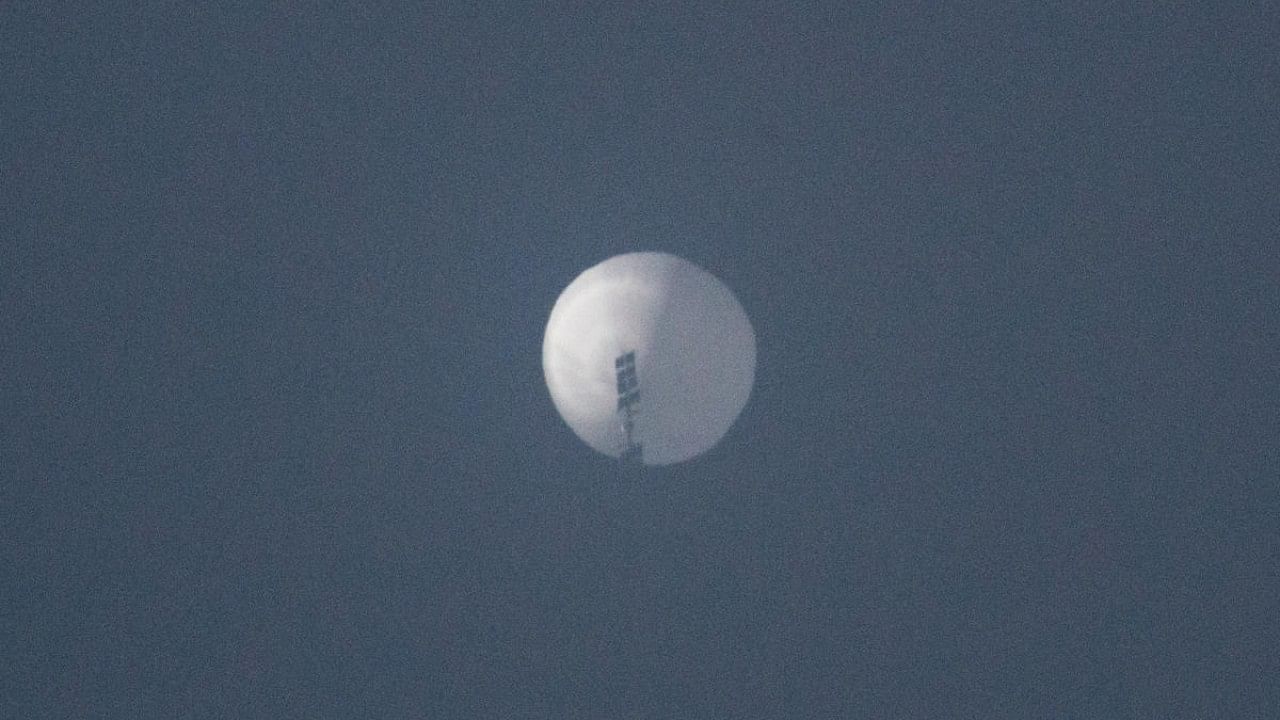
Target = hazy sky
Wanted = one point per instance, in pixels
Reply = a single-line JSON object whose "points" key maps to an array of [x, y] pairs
{"points": [[276, 442]]}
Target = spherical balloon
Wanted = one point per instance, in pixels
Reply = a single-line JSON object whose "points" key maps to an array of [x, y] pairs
{"points": [[691, 372]]}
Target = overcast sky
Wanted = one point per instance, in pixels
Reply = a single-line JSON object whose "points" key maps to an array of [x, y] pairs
{"points": [[276, 442]]}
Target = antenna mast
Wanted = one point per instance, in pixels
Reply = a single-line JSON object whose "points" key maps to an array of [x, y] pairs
{"points": [[628, 397]]}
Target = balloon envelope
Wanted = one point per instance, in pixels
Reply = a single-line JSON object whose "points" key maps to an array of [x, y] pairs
{"points": [[695, 356]]}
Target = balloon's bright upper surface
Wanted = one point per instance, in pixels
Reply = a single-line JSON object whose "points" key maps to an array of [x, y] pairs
{"points": [[695, 355]]}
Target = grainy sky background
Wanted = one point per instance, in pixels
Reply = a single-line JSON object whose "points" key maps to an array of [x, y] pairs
{"points": [[276, 443]]}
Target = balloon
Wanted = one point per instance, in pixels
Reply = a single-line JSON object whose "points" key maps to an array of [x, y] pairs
{"points": [[693, 365]]}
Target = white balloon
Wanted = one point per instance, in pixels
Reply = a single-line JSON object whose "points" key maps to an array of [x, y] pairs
{"points": [[695, 356]]}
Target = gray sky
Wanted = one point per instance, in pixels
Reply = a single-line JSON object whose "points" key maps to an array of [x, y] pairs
{"points": [[276, 443]]}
